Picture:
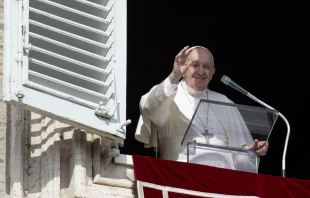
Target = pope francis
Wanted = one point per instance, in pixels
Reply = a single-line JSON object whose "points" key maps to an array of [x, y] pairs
{"points": [[167, 109]]}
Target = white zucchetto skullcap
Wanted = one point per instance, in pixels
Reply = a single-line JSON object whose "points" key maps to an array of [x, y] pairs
{"points": [[197, 46]]}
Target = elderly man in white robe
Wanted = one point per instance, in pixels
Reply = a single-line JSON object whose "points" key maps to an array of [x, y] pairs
{"points": [[166, 111]]}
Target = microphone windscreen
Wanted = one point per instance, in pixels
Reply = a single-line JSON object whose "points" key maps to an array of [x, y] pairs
{"points": [[225, 79]]}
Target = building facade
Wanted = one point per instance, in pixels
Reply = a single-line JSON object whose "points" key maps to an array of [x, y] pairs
{"points": [[43, 157]]}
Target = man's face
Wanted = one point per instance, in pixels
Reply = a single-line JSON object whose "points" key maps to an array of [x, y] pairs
{"points": [[200, 70]]}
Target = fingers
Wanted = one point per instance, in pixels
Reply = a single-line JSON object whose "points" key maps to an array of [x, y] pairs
{"points": [[262, 144], [183, 69], [182, 53], [262, 151], [267, 143], [262, 148], [180, 66], [254, 146], [187, 52]]}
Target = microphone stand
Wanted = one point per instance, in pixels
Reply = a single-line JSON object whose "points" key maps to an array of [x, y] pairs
{"points": [[288, 131], [226, 80]]}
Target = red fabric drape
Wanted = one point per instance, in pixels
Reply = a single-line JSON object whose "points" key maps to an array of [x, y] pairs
{"points": [[214, 180]]}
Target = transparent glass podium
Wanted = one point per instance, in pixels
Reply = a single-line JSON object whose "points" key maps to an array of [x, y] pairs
{"points": [[221, 134]]}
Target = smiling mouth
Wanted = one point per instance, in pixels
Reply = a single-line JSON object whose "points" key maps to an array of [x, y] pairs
{"points": [[200, 77]]}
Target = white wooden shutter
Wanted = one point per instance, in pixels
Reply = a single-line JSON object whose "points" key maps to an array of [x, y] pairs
{"points": [[66, 59]]}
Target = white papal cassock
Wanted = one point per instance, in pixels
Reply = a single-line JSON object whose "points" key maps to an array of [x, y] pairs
{"points": [[166, 111]]}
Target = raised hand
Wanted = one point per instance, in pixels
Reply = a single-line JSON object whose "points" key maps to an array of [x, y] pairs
{"points": [[179, 65]]}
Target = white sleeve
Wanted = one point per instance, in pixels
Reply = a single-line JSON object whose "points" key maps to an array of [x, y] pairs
{"points": [[168, 87]]}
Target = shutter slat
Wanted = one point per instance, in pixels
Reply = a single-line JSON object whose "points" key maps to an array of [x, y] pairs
{"points": [[95, 5], [68, 47], [59, 94], [85, 27], [70, 60], [76, 11], [80, 89], [41, 63], [102, 45]]}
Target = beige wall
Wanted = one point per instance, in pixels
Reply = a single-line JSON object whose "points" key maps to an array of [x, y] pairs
{"points": [[2, 112]]}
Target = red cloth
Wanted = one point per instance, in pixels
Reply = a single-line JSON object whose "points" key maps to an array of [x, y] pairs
{"points": [[213, 180]]}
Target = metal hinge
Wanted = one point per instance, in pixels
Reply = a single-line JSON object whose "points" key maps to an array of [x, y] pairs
{"points": [[105, 111], [25, 47], [19, 59]]}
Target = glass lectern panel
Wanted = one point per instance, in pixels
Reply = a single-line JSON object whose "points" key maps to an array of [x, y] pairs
{"points": [[221, 134]]}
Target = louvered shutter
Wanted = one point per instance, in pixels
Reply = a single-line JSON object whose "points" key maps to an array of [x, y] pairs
{"points": [[67, 59]]}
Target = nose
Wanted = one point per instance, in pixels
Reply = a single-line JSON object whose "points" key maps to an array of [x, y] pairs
{"points": [[200, 70]]}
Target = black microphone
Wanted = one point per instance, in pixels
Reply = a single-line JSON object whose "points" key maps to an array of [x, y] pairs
{"points": [[226, 80]]}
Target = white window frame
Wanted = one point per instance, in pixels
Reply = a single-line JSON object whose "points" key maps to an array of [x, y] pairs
{"points": [[56, 106]]}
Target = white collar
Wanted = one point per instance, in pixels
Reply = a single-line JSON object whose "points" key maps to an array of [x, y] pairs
{"points": [[191, 91]]}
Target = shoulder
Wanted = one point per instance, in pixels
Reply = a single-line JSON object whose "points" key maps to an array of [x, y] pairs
{"points": [[218, 96], [158, 86], [154, 92]]}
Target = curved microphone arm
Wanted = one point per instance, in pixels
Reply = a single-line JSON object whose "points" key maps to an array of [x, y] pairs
{"points": [[226, 80], [288, 130]]}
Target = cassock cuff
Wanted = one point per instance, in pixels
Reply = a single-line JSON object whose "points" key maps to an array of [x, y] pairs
{"points": [[168, 87]]}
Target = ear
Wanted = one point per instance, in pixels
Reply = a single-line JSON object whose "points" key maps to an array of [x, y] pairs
{"points": [[212, 72]]}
